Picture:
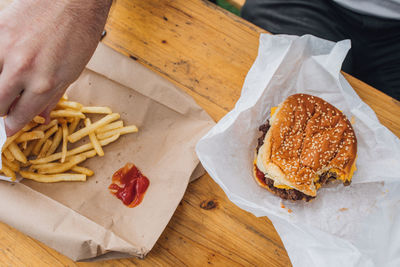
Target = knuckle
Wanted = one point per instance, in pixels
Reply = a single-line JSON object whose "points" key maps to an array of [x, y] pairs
{"points": [[44, 85], [21, 62], [5, 34]]}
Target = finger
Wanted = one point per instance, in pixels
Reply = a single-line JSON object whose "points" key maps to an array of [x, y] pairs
{"points": [[13, 104], [10, 89], [29, 105], [46, 113]]}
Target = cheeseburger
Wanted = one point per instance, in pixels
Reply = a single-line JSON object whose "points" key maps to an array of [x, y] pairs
{"points": [[306, 143]]}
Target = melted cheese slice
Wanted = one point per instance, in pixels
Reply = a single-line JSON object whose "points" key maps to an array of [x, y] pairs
{"points": [[342, 176], [352, 170], [282, 186], [273, 109]]}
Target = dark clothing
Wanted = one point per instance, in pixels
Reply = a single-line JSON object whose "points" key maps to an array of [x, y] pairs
{"points": [[375, 54]]}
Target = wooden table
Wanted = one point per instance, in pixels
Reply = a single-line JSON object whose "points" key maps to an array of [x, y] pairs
{"points": [[207, 52]]}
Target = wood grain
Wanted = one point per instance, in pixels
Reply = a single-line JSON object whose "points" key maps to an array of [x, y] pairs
{"points": [[207, 52]]}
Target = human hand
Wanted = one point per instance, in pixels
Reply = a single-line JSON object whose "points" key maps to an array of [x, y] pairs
{"points": [[44, 46]]}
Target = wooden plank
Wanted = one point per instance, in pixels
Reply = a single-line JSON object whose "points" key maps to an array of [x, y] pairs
{"points": [[386, 108], [211, 69], [17, 249], [220, 233], [188, 42]]}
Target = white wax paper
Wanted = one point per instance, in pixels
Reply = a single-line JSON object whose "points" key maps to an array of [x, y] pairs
{"points": [[358, 225]]}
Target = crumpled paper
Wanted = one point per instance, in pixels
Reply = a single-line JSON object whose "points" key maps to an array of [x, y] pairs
{"points": [[82, 220], [358, 225]]}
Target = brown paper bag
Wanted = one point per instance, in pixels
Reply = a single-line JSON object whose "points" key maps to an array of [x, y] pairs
{"points": [[82, 219]]}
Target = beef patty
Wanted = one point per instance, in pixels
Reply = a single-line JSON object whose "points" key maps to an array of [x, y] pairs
{"points": [[263, 128]]}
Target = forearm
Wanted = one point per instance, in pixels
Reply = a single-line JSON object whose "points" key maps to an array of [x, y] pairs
{"points": [[88, 12], [44, 45], [95, 12]]}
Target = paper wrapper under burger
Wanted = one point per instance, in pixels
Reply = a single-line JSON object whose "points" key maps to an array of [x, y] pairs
{"points": [[82, 219], [356, 225]]}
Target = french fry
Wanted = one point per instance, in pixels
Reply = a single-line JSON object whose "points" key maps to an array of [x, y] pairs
{"points": [[109, 140], [24, 145], [73, 125], [121, 131], [11, 139], [56, 141], [63, 167], [29, 136], [24, 165], [8, 155], [64, 142], [45, 127], [91, 128], [45, 148], [17, 153], [111, 126], [93, 140], [80, 149], [64, 104], [35, 139], [51, 178], [67, 120], [66, 113], [97, 110], [28, 150], [30, 169], [13, 165], [83, 170], [39, 119], [57, 156], [40, 143], [8, 172], [64, 97], [45, 165], [88, 154], [61, 120], [29, 126]]}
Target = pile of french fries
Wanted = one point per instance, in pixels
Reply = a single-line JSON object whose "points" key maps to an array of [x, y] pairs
{"points": [[40, 151]]}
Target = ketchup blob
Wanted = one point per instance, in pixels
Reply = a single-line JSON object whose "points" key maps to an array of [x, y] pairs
{"points": [[129, 185]]}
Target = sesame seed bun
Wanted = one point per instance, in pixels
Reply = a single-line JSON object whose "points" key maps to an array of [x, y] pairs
{"points": [[309, 143]]}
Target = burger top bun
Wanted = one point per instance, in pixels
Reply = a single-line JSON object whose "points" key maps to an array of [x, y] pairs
{"points": [[308, 137]]}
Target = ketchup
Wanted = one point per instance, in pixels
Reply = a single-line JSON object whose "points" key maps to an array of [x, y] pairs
{"points": [[260, 175], [129, 185]]}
